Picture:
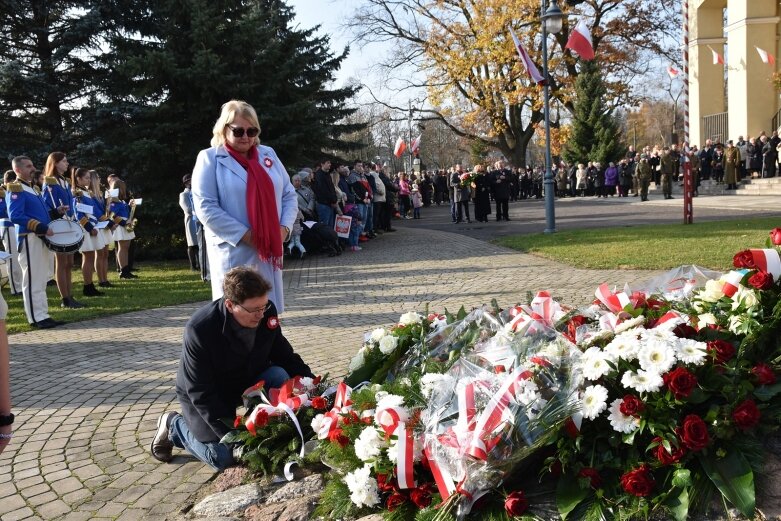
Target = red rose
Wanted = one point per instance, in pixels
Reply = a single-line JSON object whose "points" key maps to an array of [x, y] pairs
{"points": [[693, 433], [593, 475], [763, 372], [395, 500], [631, 406], [238, 421], [665, 457], [516, 503], [338, 436], [556, 469], [721, 351], [385, 482], [746, 415], [421, 496], [761, 280], [638, 482], [680, 382], [685, 331], [317, 380], [261, 419], [775, 236], [319, 402], [744, 259], [573, 325], [655, 304]]}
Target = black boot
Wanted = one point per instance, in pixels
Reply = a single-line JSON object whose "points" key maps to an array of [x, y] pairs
{"points": [[70, 302], [105, 284], [192, 254], [90, 291], [125, 274]]}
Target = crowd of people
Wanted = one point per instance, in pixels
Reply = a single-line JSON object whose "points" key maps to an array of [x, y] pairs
{"points": [[49, 215]]}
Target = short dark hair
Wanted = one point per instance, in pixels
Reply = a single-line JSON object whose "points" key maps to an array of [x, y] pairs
{"points": [[243, 283]]}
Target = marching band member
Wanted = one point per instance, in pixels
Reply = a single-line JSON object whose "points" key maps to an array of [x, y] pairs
{"points": [[31, 217], [8, 235], [101, 210], [93, 241], [120, 211], [57, 196]]}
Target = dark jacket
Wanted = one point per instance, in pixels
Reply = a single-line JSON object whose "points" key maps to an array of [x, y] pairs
{"points": [[214, 370], [323, 186], [500, 187]]}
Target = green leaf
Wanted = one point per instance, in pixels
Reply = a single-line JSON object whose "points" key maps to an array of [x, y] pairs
{"points": [[697, 396], [682, 478], [568, 495], [678, 505], [733, 476], [233, 437], [766, 392]]}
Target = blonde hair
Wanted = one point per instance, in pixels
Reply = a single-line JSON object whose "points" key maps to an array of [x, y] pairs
{"points": [[228, 114]]}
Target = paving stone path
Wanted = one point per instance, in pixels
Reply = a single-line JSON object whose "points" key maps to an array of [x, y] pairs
{"points": [[87, 396]]}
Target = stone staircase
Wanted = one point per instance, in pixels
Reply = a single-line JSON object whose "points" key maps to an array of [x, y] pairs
{"points": [[748, 187]]}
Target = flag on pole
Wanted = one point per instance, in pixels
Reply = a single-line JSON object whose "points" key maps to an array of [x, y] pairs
{"points": [[717, 58], [400, 147], [415, 146], [531, 69], [672, 72], [580, 41], [765, 56]]}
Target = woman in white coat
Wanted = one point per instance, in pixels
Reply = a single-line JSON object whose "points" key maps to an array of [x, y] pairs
{"points": [[244, 199]]}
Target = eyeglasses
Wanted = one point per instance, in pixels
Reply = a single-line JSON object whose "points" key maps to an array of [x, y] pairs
{"points": [[239, 131], [257, 311]]}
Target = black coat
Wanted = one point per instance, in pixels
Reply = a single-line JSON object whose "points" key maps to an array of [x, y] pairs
{"points": [[214, 371], [500, 187]]}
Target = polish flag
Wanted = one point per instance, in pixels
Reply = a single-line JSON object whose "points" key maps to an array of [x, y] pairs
{"points": [[672, 72], [765, 56], [580, 41], [531, 69], [717, 58], [415, 146], [400, 147]]}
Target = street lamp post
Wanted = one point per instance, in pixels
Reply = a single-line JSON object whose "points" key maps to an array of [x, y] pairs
{"points": [[552, 21]]}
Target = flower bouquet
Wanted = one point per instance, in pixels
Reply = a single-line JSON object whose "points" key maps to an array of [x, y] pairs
{"points": [[467, 179]]}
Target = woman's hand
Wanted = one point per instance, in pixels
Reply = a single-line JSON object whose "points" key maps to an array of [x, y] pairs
{"points": [[93, 232], [247, 238]]}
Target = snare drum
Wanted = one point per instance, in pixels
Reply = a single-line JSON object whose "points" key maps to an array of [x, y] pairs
{"points": [[67, 238]]}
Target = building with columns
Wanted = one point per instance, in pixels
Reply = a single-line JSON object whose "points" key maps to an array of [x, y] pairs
{"points": [[738, 98]]}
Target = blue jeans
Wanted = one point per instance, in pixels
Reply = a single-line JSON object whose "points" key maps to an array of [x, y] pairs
{"points": [[217, 455], [369, 226], [326, 214]]}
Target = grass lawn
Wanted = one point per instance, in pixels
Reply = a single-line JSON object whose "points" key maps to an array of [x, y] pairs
{"points": [[159, 284], [654, 247]]}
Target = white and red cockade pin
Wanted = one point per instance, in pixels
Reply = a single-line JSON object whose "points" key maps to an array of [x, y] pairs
{"points": [[272, 322], [268, 162]]}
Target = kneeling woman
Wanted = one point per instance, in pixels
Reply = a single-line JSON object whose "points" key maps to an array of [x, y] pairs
{"points": [[120, 211], [83, 200]]}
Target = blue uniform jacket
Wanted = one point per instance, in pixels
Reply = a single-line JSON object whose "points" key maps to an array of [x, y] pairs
{"points": [[26, 210], [88, 221], [57, 190], [120, 211]]}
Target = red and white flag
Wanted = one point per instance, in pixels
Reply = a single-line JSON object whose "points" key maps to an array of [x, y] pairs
{"points": [[765, 56], [400, 147], [531, 69], [415, 146], [672, 72], [717, 58], [580, 41]]}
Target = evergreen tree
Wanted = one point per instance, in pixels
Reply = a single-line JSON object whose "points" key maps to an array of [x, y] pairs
{"points": [[595, 133], [46, 74]]}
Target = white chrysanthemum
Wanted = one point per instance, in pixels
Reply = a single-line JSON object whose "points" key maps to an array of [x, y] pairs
{"points": [[745, 297], [624, 346], [705, 320], [642, 381], [363, 487], [306, 382], [377, 334], [657, 356], [713, 291], [317, 422], [369, 444], [594, 364], [431, 381], [410, 318], [593, 402], [619, 421], [388, 344], [629, 324], [357, 362], [691, 351], [526, 392]]}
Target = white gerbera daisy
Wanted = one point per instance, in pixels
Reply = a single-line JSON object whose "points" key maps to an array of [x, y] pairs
{"points": [[624, 346], [629, 324], [657, 356], [594, 401], [619, 421], [691, 351], [642, 381], [657, 335], [594, 364]]}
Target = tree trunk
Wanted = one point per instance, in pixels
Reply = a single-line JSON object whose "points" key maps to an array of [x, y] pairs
{"points": [[50, 99]]}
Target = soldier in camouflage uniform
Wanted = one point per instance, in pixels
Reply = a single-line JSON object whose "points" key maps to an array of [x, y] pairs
{"points": [[667, 165], [643, 174]]}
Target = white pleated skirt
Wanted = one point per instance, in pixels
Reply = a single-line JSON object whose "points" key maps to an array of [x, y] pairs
{"points": [[121, 234], [92, 243], [108, 238]]}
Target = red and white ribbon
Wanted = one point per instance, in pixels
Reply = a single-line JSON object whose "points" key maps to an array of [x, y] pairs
{"points": [[615, 302], [277, 410], [672, 318], [768, 261], [405, 457], [541, 314], [442, 477], [342, 404], [466, 408], [732, 281]]}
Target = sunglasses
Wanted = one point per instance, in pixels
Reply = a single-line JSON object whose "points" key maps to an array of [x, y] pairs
{"points": [[239, 131], [257, 311]]}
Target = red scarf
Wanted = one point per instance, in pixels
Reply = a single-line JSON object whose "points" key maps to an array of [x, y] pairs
{"points": [[261, 208]]}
